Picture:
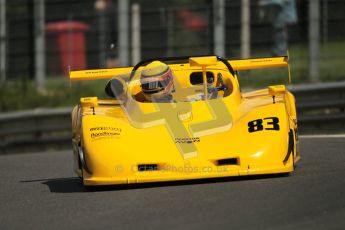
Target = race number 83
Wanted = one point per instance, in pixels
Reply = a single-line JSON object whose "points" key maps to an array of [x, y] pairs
{"points": [[268, 123]]}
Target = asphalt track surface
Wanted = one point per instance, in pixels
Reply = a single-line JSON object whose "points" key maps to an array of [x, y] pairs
{"points": [[40, 191]]}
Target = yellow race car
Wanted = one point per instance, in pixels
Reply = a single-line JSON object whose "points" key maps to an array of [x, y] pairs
{"points": [[183, 118]]}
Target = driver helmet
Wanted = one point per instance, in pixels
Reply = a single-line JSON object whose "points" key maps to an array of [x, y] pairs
{"points": [[156, 80]]}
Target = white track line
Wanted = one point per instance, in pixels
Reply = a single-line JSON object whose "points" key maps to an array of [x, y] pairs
{"points": [[322, 136]]}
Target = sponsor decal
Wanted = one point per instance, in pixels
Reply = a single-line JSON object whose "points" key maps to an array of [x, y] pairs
{"points": [[187, 140], [105, 132], [96, 72]]}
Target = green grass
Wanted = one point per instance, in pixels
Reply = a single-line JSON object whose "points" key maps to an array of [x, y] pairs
{"points": [[59, 92], [332, 67], [21, 94]]}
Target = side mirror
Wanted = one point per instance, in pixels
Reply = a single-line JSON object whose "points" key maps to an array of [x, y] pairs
{"points": [[276, 90], [203, 61], [116, 88], [89, 101]]}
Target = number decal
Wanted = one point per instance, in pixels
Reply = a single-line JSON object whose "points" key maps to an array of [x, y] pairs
{"points": [[273, 123], [268, 123], [255, 125]]}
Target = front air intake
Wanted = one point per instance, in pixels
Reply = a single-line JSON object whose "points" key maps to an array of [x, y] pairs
{"points": [[227, 161], [148, 167]]}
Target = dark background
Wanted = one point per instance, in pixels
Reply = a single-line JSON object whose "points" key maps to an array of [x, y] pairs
{"points": [[154, 32]]}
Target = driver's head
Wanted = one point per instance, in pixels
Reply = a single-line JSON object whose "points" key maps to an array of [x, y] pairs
{"points": [[156, 80]]}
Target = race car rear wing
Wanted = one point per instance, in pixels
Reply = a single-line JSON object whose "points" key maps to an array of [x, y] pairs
{"points": [[261, 63], [237, 65], [97, 74]]}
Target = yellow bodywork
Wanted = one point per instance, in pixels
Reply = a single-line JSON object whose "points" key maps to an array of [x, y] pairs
{"points": [[233, 134]]}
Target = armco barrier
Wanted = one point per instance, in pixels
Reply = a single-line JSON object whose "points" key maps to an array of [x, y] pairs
{"points": [[320, 109], [35, 130]]}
